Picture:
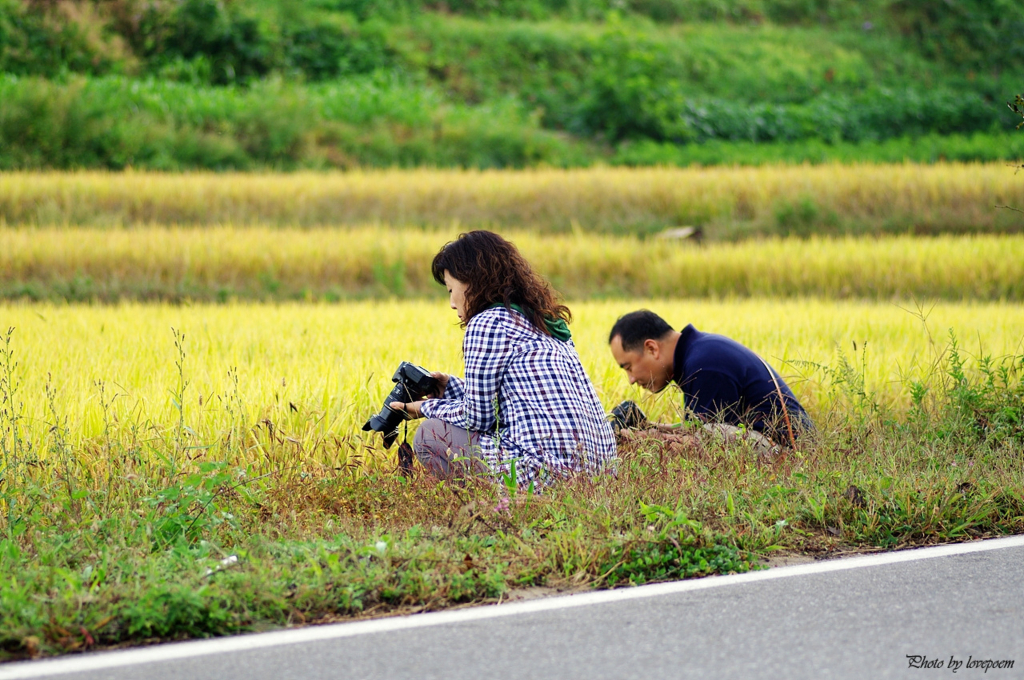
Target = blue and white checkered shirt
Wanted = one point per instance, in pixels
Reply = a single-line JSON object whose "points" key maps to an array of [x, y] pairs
{"points": [[528, 396]]}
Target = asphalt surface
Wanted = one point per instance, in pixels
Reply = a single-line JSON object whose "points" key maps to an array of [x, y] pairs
{"points": [[856, 623]]}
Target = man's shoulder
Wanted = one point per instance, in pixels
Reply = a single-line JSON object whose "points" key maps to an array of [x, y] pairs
{"points": [[713, 352], [713, 343]]}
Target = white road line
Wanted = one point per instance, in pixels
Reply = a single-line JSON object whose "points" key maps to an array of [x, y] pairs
{"points": [[184, 650]]}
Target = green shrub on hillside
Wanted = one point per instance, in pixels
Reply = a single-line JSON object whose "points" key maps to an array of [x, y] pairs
{"points": [[875, 115], [234, 47], [229, 42], [931, 148], [801, 12], [404, 82], [336, 45], [662, 11], [381, 121], [198, 41], [979, 34], [70, 37], [554, 62], [115, 122], [694, 83]]}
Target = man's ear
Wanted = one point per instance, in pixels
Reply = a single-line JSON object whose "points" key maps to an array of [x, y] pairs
{"points": [[652, 347]]}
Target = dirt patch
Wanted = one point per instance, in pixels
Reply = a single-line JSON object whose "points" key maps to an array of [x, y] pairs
{"points": [[537, 592], [787, 560]]}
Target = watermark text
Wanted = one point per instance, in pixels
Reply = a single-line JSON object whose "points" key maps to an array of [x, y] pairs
{"points": [[954, 664]]}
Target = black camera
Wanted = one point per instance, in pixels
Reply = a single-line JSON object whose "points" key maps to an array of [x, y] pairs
{"points": [[412, 383], [627, 416]]}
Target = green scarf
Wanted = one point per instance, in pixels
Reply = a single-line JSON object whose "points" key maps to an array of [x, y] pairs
{"points": [[557, 327]]}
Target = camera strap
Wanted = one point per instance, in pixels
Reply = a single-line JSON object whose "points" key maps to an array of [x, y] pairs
{"points": [[405, 453], [782, 402]]}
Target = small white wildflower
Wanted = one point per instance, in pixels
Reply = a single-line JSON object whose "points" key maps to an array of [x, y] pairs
{"points": [[223, 564], [381, 547]]}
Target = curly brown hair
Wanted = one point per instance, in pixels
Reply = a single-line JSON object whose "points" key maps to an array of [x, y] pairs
{"points": [[495, 272]]}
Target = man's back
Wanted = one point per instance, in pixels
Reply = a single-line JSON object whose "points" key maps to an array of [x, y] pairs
{"points": [[723, 380]]}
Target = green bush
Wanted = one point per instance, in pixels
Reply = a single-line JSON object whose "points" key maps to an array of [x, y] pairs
{"points": [[930, 148], [237, 46], [623, 81], [377, 121], [661, 11], [53, 41], [335, 46], [873, 115], [554, 63], [979, 34], [198, 41], [507, 84], [244, 39], [115, 122]]}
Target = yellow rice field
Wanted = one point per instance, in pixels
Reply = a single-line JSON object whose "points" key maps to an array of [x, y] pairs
{"points": [[317, 371], [871, 198], [162, 262]]}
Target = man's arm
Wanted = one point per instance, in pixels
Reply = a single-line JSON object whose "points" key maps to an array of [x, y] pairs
{"points": [[710, 392]]}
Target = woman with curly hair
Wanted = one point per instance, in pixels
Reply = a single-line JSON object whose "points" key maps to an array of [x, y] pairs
{"points": [[526, 406]]}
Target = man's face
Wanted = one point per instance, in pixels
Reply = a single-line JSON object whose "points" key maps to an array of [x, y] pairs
{"points": [[649, 366]]}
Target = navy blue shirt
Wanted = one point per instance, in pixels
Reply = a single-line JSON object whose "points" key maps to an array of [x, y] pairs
{"points": [[725, 382]]}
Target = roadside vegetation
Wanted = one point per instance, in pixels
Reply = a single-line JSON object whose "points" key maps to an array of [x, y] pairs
{"points": [[158, 523], [278, 84]]}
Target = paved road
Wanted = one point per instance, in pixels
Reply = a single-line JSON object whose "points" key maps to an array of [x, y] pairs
{"points": [[853, 618]]}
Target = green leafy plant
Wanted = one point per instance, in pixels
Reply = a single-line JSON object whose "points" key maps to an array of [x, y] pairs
{"points": [[991, 405], [187, 508], [678, 548]]}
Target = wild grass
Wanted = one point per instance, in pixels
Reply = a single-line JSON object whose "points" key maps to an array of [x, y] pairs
{"points": [[264, 263], [728, 202], [161, 484]]}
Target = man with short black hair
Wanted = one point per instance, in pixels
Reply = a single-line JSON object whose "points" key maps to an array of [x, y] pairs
{"points": [[722, 380]]}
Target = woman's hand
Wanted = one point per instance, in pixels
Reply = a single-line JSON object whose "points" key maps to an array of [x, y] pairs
{"points": [[442, 385], [412, 409]]}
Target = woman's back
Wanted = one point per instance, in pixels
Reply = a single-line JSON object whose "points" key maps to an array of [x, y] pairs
{"points": [[530, 396], [547, 403]]}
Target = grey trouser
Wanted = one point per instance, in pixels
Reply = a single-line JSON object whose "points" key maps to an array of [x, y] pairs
{"points": [[444, 448]]}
